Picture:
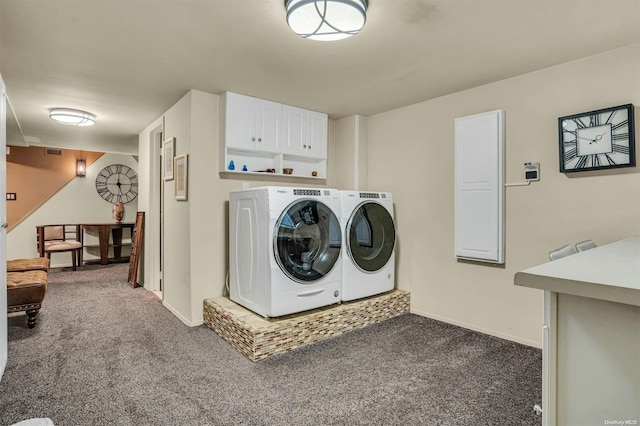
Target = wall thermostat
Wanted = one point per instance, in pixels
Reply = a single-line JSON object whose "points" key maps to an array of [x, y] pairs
{"points": [[531, 171]]}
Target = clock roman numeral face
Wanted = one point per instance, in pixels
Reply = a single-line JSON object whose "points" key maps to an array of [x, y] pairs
{"points": [[597, 140], [117, 182]]}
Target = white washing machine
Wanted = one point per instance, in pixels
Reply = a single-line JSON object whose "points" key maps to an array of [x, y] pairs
{"points": [[284, 249], [368, 261]]}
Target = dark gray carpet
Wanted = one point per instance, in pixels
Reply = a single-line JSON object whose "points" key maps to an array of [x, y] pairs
{"points": [[103, 353]]}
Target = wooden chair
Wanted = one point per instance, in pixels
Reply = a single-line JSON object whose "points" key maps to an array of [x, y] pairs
{"points": [[58, 239]]}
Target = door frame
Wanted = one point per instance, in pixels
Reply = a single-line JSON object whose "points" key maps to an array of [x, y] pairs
{"points": [[153, 220], [3, 231]]}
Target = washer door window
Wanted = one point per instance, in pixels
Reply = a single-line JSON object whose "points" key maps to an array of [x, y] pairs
{"points": [[308, 241], [371, 237]]}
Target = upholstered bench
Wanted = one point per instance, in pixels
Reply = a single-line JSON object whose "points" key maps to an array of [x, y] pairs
{"points": [[35, 264], [25, 292]]}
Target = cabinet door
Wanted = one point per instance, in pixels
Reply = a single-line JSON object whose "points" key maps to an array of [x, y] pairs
{"points": [[479, 187], [267, 125], [240, 121], [294, 123], [317, 134]]}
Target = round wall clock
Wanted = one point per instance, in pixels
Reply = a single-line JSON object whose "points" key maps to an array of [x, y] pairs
{"points": [[117, 182], [601, 139]]}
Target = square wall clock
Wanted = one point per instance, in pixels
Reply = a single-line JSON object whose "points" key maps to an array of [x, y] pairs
{"points": [[595, 140]]}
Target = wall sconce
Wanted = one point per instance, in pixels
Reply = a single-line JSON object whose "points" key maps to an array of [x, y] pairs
{"points": [[81, 168]]}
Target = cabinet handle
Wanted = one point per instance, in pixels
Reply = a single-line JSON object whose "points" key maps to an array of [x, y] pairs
{"points": [[259, 139], [304, 146], [309, 146], [253, 139]]}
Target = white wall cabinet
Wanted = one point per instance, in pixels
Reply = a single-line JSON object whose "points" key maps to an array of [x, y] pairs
{"points": [[252, 123], [259, 135], [304, 132]]}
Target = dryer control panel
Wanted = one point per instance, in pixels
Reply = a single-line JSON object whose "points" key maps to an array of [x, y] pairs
{"points": [[313, 192], [369, 195]]}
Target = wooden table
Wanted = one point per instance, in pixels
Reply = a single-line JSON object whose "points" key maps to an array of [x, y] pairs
{"points": [[104, 230], [591, 335]]}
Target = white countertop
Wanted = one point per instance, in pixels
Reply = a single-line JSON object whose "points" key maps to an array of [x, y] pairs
{"points": [[610, 272]]}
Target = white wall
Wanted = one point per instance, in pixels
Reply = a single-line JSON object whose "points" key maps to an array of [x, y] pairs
{"points": [[207, 234], [411, 155], [177, 254], [194, 264], [76, 202], [351, 153]]}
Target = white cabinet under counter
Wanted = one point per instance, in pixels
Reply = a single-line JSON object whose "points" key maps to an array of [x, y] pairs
{"points": [[259, 135], [591, 335]]}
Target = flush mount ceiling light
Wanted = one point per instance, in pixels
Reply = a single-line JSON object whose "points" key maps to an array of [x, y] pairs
{"points": [[72, 117], [326, 20]]}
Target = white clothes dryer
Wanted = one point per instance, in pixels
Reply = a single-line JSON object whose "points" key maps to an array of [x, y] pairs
{"points": [[284, 249], [368, 264]]}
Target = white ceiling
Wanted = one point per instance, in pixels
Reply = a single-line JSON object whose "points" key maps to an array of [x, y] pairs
{"points": [[128, 61]]}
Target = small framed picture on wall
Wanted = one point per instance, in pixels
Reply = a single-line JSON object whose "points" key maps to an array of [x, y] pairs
{"points": [[168, 149], [181, 168]]}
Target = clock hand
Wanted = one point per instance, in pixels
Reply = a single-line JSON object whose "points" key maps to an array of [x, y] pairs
{"points": [[587, 139], [598, 138]]}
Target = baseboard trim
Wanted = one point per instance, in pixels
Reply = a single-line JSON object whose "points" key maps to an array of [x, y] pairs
{"points": [[516, 339], [180, 316]]}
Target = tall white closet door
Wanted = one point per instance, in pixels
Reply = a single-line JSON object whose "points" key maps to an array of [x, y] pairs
{"points": [[479, 187]]}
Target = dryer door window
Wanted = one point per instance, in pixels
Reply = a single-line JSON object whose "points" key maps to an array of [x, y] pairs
{"points": [[371, 237], [308, 241]]}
